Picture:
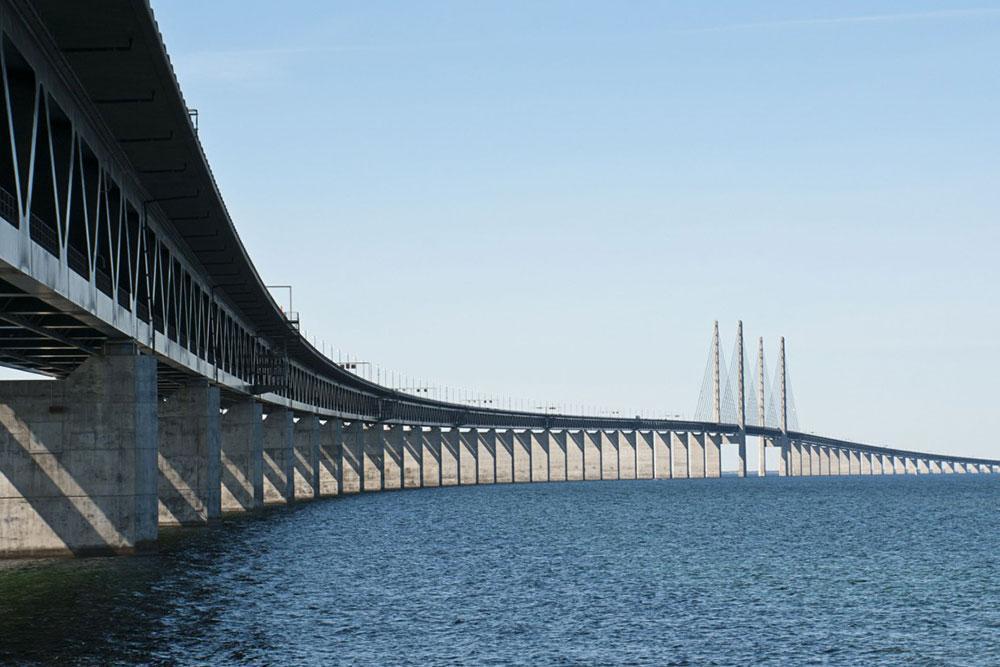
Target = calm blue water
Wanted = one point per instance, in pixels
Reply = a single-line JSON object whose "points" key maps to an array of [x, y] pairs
{"points": [[887, 571]]}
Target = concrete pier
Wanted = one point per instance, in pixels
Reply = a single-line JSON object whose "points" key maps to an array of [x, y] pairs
{"points": [[661, 455], [306, 454], [352, 458], [696, 455], [799, 466], [855, 462], [845, 461], [609, 455], [713, 455], [558, 468], [278, 459], [574, 455], [784, 459], [626, 454], [866, 463], [392, 458], [486, 459], [679, 454], [824, 461], [78, 469], [468, 457], [432, 443], [539, 444], [522, 456], [242, 453], [449, 457], [331, 439], [899, 465], [505, 457], [815, 467], [935, 467], [413, 458], [189, 457], [645, 455], [910, 465], [373, 455]]}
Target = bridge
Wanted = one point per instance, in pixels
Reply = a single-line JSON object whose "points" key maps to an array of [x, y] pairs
{"points": [[179, 388]]}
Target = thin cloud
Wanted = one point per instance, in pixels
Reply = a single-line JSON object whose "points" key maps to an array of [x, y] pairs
{"points": [[944, 14]]}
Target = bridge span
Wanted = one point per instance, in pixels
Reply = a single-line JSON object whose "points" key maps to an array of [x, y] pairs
{"points": [[180, 390]]}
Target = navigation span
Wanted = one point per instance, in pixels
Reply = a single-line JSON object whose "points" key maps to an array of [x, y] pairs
{"points": [[180, 389]]}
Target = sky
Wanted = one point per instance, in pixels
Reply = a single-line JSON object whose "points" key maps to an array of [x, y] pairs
{"points": [[554, 200]]}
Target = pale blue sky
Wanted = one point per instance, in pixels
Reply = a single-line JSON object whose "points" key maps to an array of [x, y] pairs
{"points": [[555, 199]]}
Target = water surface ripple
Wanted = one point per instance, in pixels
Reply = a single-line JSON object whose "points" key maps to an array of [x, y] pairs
{"points": [[873, 571]]}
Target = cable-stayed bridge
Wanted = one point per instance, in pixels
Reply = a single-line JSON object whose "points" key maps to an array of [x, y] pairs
{"points": [[182, 390]]}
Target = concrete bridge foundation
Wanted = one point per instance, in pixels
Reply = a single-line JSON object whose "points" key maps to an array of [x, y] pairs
{"points": [[679, 455], [242, 443], [696, 455], [305, 449], [574, 455], [279, 486], [78, 469], [713, 455], [331, 438], [661, 455], [189, 456]]}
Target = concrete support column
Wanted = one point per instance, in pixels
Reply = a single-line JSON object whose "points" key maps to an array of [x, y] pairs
{"points": [[761, 456], [662, 458], [78, 468], [910, 465], [558, 466], [741, 454], [306, 453], [331, 438], [679, 455], [413, 458], [824, 461], [609, 455], [190, 464], [433, 445], [538, 441], [392, 457], [815, 468], [834, 461], [352, 458], [373, 458], [242, 456], [522, 456], [866, 463], [574, 455], [947, 467], [468, 457], [845, 462], [696, 455], [645, 455], [486, 457], [959, 468], [713, 455], [626, 454], [877, 463], [923, 467], [279, 486], [784, 461], [795, 459], [591, 454], [899, 465], [935, 466], [449, 457], [505, 456], [855, 462]]}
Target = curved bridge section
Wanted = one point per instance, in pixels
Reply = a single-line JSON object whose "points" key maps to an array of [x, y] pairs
{"points": [[181, 389]]}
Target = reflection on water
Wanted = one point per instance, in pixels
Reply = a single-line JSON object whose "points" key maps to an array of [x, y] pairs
{"points": [[775, 571]]}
